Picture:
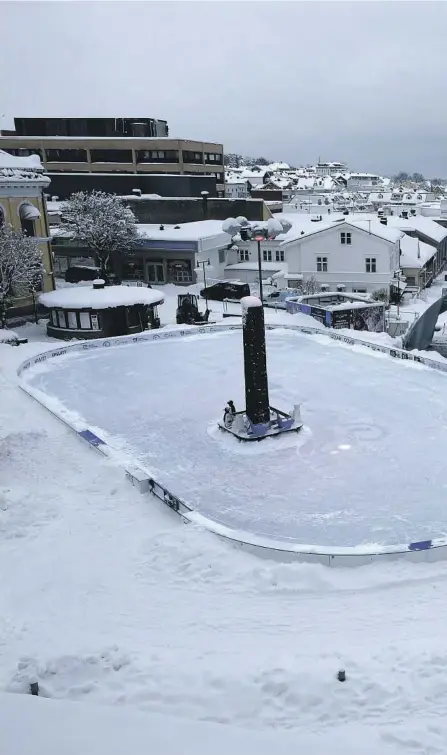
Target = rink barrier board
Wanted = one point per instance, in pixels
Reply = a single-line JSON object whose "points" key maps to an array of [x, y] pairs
{"points": [[424, 550]]}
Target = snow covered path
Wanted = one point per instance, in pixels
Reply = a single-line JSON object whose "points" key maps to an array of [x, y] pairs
{"points": [[107, 597]]}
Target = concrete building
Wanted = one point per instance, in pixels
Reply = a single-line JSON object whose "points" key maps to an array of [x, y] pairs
{"points": [[112, 145], [22, 205], [164, 254]]}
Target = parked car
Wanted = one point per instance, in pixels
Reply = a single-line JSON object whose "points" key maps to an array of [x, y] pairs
{"points": [[278, 299], [221, 290], [78, 273]]}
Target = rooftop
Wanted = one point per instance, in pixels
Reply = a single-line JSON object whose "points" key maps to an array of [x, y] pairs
{"points": [[87, 297]]}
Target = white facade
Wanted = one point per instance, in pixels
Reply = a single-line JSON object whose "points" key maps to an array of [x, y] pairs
{"points": [[330, 169], [236, 189], [344, 255], [363, 182]]}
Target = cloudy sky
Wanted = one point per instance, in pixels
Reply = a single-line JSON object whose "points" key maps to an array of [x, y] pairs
{"points": [[361, 82]]}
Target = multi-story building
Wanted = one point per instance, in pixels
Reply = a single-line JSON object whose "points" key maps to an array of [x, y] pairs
{"points": [[22, 205], [101, 146], [330, 169], [353, 255]]}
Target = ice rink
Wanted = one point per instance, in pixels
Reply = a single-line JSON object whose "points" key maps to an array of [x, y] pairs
{"points": [[369, 467]]}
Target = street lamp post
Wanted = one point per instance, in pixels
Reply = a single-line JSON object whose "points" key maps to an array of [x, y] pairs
{"points": [[258, 231], [259, 239], [203, 263]]}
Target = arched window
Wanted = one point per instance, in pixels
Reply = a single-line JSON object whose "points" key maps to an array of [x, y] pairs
{"points": [[28, 215]]}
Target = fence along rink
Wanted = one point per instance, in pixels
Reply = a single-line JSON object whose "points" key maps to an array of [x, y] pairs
{"points": [[427, 550]]}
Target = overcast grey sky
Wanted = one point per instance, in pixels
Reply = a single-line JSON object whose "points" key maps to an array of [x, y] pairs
{"points": [[363, 82]]}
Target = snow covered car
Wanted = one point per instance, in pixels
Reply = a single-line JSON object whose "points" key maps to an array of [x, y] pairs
{"points": [[278, 299]]}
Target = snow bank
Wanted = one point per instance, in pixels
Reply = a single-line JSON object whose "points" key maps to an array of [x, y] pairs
{"points": [[54, 727], [102, 298], [7, 335]]}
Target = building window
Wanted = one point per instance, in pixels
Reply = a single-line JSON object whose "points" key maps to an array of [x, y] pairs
{"points": [[61, 318], [66, 155], [321, 264], [72, 320], [84, 319], [221, 256], [345, 237], [280, 255], [28, 214], [244, 255], [371, 264], [213, 157], [111, 155], [196, 158], [267, 255], [157, 156]]}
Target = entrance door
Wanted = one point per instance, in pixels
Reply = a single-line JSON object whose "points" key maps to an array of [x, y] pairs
{"points": [[155, 272]]}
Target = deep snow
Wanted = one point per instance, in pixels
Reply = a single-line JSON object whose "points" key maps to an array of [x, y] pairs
{"points": [[107, 598], [368, 468]]}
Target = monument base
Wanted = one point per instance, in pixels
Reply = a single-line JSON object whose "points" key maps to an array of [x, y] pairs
{"points": [[280, 422]]}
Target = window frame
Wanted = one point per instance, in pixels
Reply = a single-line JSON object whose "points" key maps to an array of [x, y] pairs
{"points": [[322, 264], [371, 263]]}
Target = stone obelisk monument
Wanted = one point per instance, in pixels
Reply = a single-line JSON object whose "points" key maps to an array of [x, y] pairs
{"points": [[257, 405]]}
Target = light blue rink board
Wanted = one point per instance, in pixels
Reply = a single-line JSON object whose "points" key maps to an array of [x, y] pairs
{"points": [[370, 467]]}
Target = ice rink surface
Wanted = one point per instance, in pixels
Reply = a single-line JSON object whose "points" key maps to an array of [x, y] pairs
{"points": [[369, 467]]}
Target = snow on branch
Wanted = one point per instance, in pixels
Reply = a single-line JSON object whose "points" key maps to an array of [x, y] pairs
{"points": [[103, 223], [21, 268]]}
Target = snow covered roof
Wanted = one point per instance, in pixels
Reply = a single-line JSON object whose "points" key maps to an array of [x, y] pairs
{"points": [[32, 162], [140, 196], [425, 226], [199, 229], [302, 226], [13, 169], [414, 252], [278, 166], [87, 297]]}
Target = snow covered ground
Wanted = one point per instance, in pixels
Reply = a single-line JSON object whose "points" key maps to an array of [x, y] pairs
{"points": [[368, 467], [107, 598]]}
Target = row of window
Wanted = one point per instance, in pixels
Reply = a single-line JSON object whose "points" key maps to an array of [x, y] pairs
{"points": [[90, 127], [370, 265], [74, 320], [267, 255], [121, 156]]}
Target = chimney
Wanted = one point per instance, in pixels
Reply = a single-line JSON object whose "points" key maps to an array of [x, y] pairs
{"points": [[98, 283], [161, 227], [205, 195], [136, 192]]}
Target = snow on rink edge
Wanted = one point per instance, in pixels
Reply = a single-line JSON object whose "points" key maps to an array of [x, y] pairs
{"points": [[424, 550]]}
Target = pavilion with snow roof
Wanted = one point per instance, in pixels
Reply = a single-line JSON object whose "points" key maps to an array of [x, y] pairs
{"points": [[100, 311]]}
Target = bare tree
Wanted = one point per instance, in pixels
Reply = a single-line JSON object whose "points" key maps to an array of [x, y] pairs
{"points": [[309, 286], [21, 268], [104, 224]]}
